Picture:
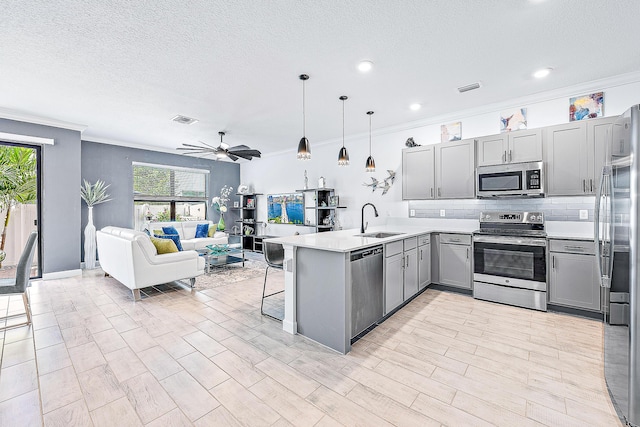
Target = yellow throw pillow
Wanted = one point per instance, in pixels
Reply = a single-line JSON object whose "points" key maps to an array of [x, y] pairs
{"points": [[212, 230], [164, 246], [158, 232]]}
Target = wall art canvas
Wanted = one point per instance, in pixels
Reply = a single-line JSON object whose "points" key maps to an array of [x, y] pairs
{"points": [[515, 119], [586, 106], [451, 132], [285, 208]]}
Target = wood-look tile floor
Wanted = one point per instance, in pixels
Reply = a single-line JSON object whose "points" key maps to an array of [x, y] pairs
{"points": [[208, 358]]}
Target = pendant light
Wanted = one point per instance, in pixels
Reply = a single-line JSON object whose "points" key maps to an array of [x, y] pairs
{"points": [[371, 164], [343, 156], [304, 149]]}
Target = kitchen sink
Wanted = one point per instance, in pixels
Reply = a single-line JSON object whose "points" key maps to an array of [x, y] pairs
{"points": [[379, 235]]}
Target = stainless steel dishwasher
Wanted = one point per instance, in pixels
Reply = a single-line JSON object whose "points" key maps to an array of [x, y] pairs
{"points": [[366, 288]]}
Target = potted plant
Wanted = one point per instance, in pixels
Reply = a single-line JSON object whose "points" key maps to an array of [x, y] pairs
{"points": [[92, 194]]}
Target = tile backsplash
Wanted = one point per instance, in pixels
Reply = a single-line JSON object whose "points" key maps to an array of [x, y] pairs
{"points": [[553, 208]]}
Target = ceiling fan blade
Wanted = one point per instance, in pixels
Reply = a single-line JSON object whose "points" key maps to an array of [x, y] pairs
{"points": [[208, 145], [232, 157], [192, 146], [250, 153]]}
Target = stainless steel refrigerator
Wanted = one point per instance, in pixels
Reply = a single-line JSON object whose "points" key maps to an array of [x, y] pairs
{"points": [[617, 212]]}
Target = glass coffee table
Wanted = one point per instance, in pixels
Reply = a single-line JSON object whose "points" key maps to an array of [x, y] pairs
{"points": [[221, 255]]}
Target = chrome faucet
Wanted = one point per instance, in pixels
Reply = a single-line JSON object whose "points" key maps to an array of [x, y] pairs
{"points": [[375, 211]]}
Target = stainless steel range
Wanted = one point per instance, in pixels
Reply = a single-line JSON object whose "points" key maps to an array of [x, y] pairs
{"points": [[510, 259]]}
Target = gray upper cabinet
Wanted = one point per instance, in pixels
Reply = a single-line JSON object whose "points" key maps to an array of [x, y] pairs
{"points": [[567, 159], [574, 154], [512, 147], [418, 179], [455, 170], [600, 132]]}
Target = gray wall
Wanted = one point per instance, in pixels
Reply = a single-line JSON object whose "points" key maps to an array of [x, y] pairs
{"points": [[60, 201], [112, 164]]}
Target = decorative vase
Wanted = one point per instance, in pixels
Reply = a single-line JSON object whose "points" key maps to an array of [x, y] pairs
{"points": [[90, 242], [221, 223]]}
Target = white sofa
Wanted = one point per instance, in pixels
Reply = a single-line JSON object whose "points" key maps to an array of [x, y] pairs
{"points": [[187, 232], [129, 257]]}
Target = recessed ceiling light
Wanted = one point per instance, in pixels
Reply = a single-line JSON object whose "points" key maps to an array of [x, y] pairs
{"points": [[415, 107], [365, 66], [184, 120], [542, 73]]}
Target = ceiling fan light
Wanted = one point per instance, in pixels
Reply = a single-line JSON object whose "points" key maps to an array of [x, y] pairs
{"points": [[304, 149], [371, 164], [343, 157]]}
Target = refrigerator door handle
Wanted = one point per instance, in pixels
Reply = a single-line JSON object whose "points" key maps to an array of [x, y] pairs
{"points": [[596, 229], [611, 229]]}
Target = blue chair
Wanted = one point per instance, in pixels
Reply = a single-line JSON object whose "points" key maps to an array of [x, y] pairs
{"points": [[19, 284], [274, 256]]}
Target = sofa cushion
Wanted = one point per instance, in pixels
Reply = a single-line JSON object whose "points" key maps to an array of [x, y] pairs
{"points": [[164, 246], [202, 230], [212, 231], [174, 237], [158, 232], [170, 230]]}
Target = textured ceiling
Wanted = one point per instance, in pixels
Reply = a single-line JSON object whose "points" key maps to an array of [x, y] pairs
{"points": [[125, 68]]}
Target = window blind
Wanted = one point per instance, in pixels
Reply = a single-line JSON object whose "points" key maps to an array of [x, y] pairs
{"points": [[159, 182]]}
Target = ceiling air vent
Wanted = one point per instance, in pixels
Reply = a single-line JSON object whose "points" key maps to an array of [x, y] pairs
{"points": [[467, 88], [184, 120]]}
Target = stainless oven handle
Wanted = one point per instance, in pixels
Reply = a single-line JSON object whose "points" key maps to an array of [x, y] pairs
{"points": [[510, 240]]}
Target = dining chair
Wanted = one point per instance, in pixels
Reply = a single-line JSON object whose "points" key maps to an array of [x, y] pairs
{"points": [[274, 256], [19, 284]]}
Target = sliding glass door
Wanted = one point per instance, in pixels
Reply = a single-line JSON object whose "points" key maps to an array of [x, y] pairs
{"points": [[19, 204]]}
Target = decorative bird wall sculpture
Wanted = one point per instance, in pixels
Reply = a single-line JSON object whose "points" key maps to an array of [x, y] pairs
{"points": [[385, 185]]}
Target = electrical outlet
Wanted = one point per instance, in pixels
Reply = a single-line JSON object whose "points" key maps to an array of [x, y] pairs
{"points": [[441, 212], [412, 212], [584, 214]]}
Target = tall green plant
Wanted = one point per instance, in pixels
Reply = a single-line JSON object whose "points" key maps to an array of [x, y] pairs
{"points": [[18, 183]]}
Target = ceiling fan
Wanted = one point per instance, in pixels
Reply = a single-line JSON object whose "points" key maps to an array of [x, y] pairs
{"points": [[221, 151]]}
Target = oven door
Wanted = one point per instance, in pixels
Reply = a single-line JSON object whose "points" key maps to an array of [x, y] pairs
{"points": [[514, 262]]}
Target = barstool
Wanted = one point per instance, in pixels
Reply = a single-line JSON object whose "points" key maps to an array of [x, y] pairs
{"points": [[274, 256]]}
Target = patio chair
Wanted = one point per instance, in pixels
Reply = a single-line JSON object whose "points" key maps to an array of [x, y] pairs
{"points": [[19, 284], [274, 256]]}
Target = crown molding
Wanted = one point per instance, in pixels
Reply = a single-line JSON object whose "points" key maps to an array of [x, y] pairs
{"points": [[564, 92], [28, 139], [19, 116]]}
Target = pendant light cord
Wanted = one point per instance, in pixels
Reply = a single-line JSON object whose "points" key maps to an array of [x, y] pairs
{"points": [[343, 123], [369, 135], [304, 117]]}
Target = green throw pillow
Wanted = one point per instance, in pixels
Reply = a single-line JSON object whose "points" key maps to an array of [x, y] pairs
{"points": [[158, 232], [164, 246], [212, 230]]}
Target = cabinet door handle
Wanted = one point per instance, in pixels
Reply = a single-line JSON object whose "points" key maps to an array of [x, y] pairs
{"points": [[420, 254], [467, 253], [439, 193], [407, 261], [431, 191], [584, 185], [553, 262], [510, 156], [591, 184], [504, 157]]}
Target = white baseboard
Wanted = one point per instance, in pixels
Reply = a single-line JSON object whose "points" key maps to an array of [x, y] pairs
{"points": [[61, 274]]}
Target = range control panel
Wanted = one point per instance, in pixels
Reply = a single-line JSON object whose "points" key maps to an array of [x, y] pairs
{"points": [[512, 217]]}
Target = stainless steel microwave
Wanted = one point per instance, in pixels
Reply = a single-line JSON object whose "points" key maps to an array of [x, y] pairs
{"points": [[510, 180]]}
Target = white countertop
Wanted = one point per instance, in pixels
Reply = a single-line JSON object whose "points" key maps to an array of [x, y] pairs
{"points": [[569, 230], [350, 240]]}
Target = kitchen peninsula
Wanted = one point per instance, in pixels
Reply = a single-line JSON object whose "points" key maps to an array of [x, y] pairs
{"points": [[319, 302]]}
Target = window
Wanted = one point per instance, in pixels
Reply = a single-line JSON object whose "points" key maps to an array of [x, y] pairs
{"points": [[168, 193]]}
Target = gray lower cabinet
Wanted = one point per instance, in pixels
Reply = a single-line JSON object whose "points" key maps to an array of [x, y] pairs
{"points": [[455, 260], [573, 279], [400, 272], [393, 276], [424, 261]]}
